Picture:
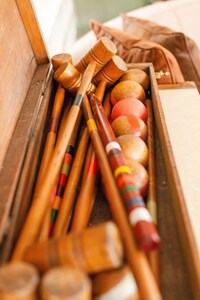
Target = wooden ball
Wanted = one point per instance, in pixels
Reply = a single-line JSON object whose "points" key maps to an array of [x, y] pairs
{"points": [[137, 75], [140, 176], [127, 88], [133, 148], [129, 125], [129, 107]]}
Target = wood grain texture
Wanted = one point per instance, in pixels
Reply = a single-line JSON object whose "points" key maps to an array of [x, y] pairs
{"points": [[17, 66], [174, 277], [31, 25], [23, 147], [172, 141]]}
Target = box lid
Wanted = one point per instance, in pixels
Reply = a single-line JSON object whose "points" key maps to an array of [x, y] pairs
{"points": [[23, 57], [22, 49]]}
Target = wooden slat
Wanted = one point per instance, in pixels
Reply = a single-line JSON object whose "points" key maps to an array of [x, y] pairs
{"points": [[33, 30], [177, 184], [174, 277], [27, 177], [20, 143], [17, 66]]}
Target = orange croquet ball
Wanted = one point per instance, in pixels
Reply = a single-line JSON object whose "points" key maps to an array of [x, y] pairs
{"points": [[137, 75], [129, 125], [133, 148], [140, 176], [127, 88], [129, 106]]}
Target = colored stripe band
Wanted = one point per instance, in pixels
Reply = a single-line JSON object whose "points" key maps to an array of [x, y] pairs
{"points": [[139, 214], [122, 169], [60, 191], [125, 289], [111, 146], [66, 168], [78, 100], [128, 189], [70, 149], [91, 125], [54, 215], [115, 152], [92, 167], [134, 201]]}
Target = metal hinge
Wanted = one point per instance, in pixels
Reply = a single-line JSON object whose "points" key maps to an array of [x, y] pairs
{"points": [[160, 74]]}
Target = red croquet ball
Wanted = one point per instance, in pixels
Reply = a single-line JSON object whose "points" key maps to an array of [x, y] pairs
{"points": [[129, 106]]}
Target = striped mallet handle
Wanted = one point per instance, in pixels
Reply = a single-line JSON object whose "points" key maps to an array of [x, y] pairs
{"points": [[144, 230], [87, 194], [57, 61], [136, 258]]}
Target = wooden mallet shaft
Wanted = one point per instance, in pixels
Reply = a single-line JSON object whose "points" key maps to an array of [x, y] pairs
{"points": [[136, 258], [57, 61], [110, 73], [36, 213]]}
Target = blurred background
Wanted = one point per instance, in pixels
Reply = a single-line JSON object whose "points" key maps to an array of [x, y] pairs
{"points": [[64, 21], [102, 10]]}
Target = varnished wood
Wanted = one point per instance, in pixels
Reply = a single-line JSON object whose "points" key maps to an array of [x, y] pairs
{"points": [[31, 25], [22, 150], [70, 78], [180, 202], [59, 59], [87, 194], [57, 201], [80, 250], [63, 221], [51, 136], [65, 283], [37, 211], [18, 281], [112, 71], [136, 258], [100, 54], [151, 195], [107, 76], [112, 283], [13, 71]]}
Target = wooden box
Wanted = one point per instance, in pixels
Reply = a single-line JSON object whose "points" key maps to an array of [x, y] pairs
{"points": [[26, 91]]}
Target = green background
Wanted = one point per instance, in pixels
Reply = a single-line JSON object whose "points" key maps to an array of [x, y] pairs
{"points": [[102, 10]]}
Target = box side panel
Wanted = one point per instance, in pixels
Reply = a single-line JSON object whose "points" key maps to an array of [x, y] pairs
{"points": [[22, 155], [184, 220], [17, 66]]}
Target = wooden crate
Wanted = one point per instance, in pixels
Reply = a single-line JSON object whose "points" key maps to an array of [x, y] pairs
{"points": [[26, 91]]}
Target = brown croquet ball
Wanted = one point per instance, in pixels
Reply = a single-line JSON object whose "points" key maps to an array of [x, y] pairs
{"points": [[129, 107], [129, 125], [127, 88], [140, 176], [137, 75], [133, 148]]}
